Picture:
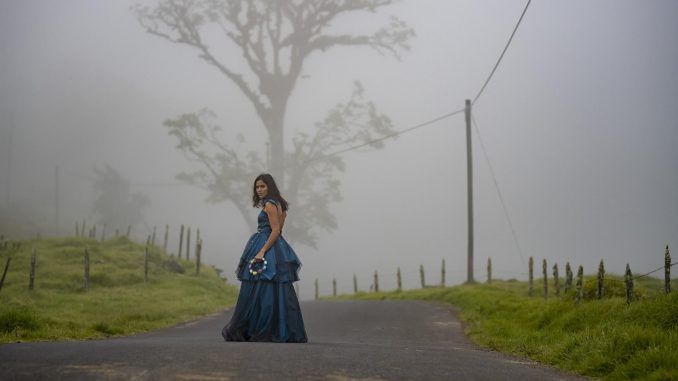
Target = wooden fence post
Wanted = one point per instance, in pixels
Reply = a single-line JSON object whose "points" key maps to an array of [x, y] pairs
{"points": [[376, 281], [601, 277], [316, 289], [628, 280], [355, 284], [489, 270], [82, 229], [667, 270], [556, 281], [188, 243], [546, 283], [148, 240], [164, 244], [31, 280], [530, 269], [568, 277], [580, 283], [181, 241], [153, 237], [129, 230], [399, 279], [103, 233], [86, 275], [4, 273], [442, 274], [94, 232], [334, 286], [421, 276], [146, 264], [198, 254]]}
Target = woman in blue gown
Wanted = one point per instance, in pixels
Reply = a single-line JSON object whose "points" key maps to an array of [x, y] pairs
{"points": [[267, 308]]}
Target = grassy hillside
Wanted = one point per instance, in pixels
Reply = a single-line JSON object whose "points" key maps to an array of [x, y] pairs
{"points": [[600, 338], [118, 301]]}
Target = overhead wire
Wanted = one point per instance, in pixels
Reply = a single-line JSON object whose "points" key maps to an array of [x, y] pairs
{"points": [[496, 186]]}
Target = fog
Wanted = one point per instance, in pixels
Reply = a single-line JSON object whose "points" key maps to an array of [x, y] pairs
{"points": [[578, 122]]}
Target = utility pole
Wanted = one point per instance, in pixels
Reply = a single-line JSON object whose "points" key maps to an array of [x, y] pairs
{"points": [[469, 171], [9, 161], [56, 195]]}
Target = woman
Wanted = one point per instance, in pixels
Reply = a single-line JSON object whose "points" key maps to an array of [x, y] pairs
{"points": [[267, 307]]}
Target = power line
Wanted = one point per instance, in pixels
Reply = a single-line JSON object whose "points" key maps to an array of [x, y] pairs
{"points": [[502, 53], [389, 136], [496, 185]]}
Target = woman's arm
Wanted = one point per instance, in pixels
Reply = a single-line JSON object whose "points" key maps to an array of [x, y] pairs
{"points": [[274, 219]]}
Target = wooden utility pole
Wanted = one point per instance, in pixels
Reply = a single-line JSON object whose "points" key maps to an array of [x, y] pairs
{"points": [[469, 182], [56, 196]]}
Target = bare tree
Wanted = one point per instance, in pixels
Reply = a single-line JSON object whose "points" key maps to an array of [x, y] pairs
{"points": [[274, 39]]}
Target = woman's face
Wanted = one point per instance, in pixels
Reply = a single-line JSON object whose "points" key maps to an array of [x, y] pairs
{"points": [[261, 188]]}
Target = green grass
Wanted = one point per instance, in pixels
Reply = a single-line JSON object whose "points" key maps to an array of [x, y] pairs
{"points": [[118, 301], [599, 338]]}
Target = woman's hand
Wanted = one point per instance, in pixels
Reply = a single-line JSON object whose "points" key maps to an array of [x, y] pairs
{"points": [[260, 256]]}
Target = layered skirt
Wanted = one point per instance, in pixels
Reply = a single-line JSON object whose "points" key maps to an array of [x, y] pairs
{"points": [[267, 308]]}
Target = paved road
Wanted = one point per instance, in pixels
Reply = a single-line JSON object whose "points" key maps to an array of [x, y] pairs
{"points": [[348, 340]]}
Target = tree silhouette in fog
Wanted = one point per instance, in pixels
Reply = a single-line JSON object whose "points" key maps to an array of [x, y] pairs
{"points": [[115, 205], [273, 40]]}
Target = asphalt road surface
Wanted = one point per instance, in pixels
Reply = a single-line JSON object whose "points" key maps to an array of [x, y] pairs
{"points": [[348, 340]]}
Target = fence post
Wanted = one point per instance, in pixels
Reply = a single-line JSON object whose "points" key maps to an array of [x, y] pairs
{"points": [[399, 279], [164, 245], [153, 237], [94, 232], [628, 280], [31, 280], [181, 241], [355, 284], [580, 282], [556, 281], [334, 286], [129, 230], [4, 273], [86, 264], [489, 270], [601, 278], [146, 264], [530, 269], [103, 233], [198, 255], [667, 270], [442, 274], [77, 228], [82, 229], [316, 288], [117, 232], [421, 276], [376, 281], [568, 277], [546, 283], [188, 243]]}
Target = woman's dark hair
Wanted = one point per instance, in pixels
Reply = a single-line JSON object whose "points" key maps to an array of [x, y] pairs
{"points": [[273, 192]]}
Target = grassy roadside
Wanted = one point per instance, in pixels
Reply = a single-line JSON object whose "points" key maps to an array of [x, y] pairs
{"points": [[599, 338], [118, 301]]}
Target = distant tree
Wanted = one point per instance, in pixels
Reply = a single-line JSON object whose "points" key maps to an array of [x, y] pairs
{"points": [[274, 39], [115, 205]]}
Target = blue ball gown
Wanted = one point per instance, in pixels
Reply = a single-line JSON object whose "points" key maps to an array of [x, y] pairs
{"points": [[267, 308]]}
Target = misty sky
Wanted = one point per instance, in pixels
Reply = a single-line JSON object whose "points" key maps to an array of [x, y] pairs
{"points": [[579, 123]]}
